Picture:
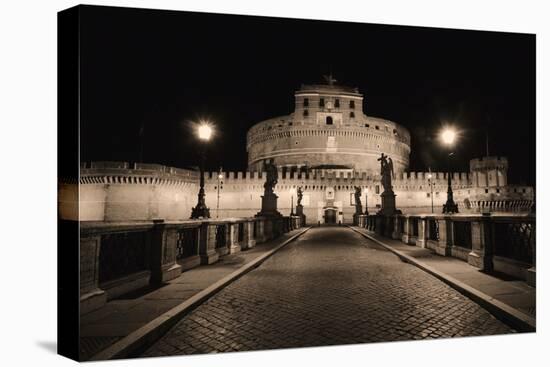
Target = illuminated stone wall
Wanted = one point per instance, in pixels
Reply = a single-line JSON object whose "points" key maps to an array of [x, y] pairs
{"points": [[111, 191], [328, 127]]}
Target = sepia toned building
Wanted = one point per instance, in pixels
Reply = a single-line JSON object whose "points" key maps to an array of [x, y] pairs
{"points": [[327, 146], [328, 129]]}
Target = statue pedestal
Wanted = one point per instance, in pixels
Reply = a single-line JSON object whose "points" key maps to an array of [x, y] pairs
{"points": [[300, 213], [269, 206], [450, 207], [358, 213], [388, 204]]}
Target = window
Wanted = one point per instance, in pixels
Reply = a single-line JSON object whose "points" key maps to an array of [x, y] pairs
{"points": [[337, 103], [352, 114], [498, 191], [306, 102], [377, 127], [377, 189], [367, 125], [306, 113], [351, 104], [427, 194], [486, 191], [394, 132], [322, 102], [329, 120]]}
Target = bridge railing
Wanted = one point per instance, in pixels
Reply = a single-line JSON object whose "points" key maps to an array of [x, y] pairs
{"points": [[502, 243], [117, 258]]}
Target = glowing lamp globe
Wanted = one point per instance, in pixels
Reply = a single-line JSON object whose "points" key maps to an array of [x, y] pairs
{"points": [[448, 136], [205, 132]]}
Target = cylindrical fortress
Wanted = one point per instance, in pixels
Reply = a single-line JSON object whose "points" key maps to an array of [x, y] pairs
{"points": [[328, 129]]}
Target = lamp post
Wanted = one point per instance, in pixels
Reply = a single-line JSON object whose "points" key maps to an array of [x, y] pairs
{"points": [[431, 190], [448, 137], [220, 176], [204, 132], [366, 202]]}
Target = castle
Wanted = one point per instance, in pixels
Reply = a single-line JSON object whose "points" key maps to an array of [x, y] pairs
{"points": [[328, 130], [327, 146]]}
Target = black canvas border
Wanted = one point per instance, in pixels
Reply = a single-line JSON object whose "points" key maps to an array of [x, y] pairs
{"points": [[68, 157]]}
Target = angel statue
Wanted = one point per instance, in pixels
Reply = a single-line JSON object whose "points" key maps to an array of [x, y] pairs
{"points": [[386, 171], [271, 175]]}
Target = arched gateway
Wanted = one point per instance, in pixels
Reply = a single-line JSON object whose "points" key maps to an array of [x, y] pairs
{"points": [[330, 214]]}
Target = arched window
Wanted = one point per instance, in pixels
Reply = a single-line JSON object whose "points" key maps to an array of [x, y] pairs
{"points": [[329, 120]]}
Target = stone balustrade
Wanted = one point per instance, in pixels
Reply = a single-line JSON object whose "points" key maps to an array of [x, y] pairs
{"points": [[120, 257], [501, 243]]}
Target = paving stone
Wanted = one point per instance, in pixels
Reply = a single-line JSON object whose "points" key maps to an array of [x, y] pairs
{"points": [[329, 287]]}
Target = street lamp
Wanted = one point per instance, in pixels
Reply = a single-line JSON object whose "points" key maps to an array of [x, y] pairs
{"points": [[448, 136], [220, 176], [204, 132], [431, 190], [366, 202]]}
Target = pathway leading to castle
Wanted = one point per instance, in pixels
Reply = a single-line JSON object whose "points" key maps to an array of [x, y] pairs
{"points": [[331, 286]]}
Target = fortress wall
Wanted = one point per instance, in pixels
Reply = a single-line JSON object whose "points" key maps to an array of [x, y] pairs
{"points": [[298, 146], [149, 201], [489, 171], [93, 198], [117, 191], [310, 138], [119, 202], [245, 193], [112, 193]]}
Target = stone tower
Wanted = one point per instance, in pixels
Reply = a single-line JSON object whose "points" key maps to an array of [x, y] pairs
{"points": [[489, 172]]}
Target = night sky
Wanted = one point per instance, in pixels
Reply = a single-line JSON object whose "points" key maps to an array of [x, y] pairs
{"points": [[162, 70]]}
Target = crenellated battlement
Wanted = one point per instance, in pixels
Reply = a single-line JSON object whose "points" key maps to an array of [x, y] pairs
{"points": [[144, 173], [137, 191], [488, 163], [111, 172], [406, 179]]}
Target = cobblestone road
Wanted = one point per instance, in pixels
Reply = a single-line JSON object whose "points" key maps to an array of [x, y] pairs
{"points": [[331, 286]]}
